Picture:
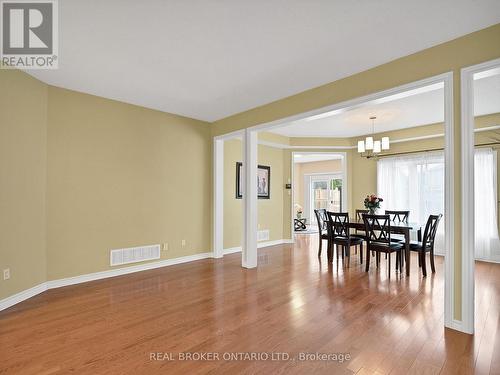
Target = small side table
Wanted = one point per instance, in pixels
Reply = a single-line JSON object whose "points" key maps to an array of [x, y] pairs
{"points": [[299, 224]]}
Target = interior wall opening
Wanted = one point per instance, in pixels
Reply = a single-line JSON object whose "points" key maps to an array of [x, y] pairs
{"points": [[419, 158]]}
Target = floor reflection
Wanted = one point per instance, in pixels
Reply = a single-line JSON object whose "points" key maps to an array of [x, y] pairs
{"points": [[293, 302]]}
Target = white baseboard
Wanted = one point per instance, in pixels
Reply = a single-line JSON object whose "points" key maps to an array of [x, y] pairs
{"points": [[21, 296], [231, 250], [458, 325], [260, 245], [487, 260], [52, 284], [25, 294], [125, 270], [273, 243]]}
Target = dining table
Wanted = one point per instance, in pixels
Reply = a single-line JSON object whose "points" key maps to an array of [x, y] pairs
{"points": [[397, 227]]}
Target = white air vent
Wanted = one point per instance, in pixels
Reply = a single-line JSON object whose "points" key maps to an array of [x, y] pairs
{"points": [[134, 254], [263, 235]]}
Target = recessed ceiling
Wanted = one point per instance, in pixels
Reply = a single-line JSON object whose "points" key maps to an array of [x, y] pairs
{"points": [[211, 59], [421, 108], [418, 107]]}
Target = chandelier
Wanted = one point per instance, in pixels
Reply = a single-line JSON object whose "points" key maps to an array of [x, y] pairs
{"points": [[369, 148]]}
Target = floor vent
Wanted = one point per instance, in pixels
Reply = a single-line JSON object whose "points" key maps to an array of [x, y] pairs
{"points": [[263, 235], [134, 254]]}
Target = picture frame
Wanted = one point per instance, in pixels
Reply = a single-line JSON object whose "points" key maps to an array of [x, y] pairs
{"points": [[263, 181]]}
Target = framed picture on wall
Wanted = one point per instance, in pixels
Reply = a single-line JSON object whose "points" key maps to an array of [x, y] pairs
{"points": [[263, 181]]}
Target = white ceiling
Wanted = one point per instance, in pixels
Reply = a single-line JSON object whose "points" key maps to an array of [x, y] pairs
{"points": [[487, 92], [210, 59], [413, 108], [309, 158]]}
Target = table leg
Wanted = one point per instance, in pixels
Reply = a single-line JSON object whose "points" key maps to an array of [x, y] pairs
{"points": [[407, 251]]}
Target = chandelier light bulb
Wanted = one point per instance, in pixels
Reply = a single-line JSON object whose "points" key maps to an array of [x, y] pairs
{"points": [[369, 143], [385, 143], [361, 146]]}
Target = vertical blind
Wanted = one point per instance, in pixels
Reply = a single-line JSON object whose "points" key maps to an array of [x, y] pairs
{"points": [[416, 183]]}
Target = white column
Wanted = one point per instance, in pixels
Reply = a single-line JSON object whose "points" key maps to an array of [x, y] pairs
{"points": [[218, 233], [249, 253], [467, 199]]}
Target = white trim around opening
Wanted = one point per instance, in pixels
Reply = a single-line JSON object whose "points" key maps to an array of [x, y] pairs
{"points": [[218, 190], [447, 78], [467, 184], [343, 173]]}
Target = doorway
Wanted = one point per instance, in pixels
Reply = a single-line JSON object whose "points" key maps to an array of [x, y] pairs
{"points": [[319, 181], [250, 181]]}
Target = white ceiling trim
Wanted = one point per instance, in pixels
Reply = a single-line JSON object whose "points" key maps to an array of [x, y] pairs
{"points": [[493, 127], [419, 138], [400, 140], [290, 147]]}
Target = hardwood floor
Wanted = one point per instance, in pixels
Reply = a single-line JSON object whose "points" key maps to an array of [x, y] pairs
{"points": [[291, 304]]}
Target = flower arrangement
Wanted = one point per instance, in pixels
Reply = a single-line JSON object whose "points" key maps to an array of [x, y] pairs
{"points": [[298, 210], [372, 202]]}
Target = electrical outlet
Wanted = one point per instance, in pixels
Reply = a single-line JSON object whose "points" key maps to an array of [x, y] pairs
{"points": [[183, 243], [6, 274], [165, 246]]}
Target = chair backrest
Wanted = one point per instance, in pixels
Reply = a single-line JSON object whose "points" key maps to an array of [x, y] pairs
{"points": [[377, 228], [339, 224], [322, 219], [398, 215], [359, 214], [431, 230]]}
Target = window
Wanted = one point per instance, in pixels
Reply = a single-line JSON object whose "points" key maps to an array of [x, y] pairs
{"points": [[416, 183], [487, 246]]}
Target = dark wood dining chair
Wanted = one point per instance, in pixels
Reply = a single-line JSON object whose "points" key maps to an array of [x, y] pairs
{"points": [[359, 217], [378, 239], [398, 216], [341, 237], [323, 230], [427, 244]]}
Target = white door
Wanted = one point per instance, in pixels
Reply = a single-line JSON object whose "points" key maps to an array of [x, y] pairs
{"points": [[325, 191]]}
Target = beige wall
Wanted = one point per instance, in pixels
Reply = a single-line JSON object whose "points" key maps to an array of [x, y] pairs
{"points": [[287, 194], [23, 166], [270, 211], [81, 175], [119, 176]]}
